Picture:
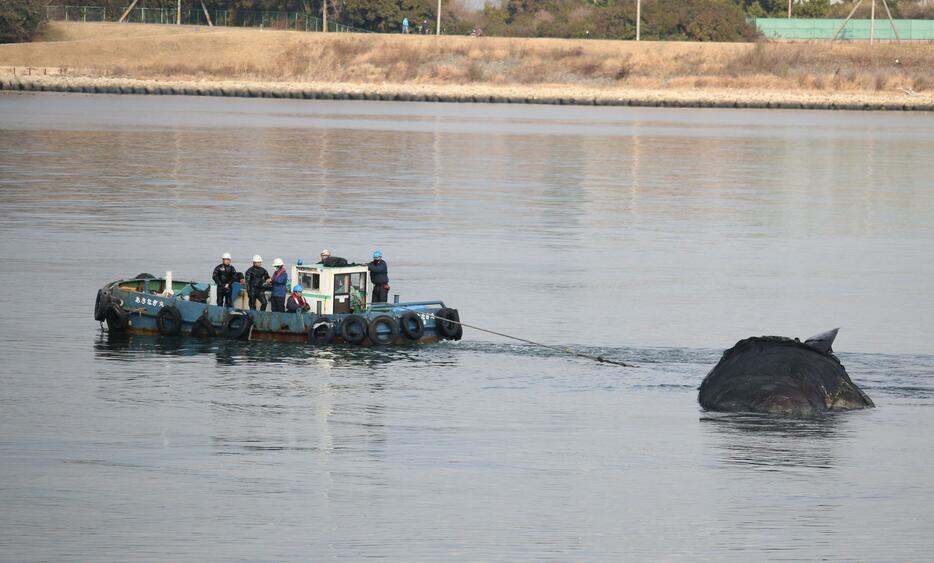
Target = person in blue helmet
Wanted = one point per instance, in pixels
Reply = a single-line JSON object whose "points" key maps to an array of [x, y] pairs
{"points": [[379, 277], [297, 303]]}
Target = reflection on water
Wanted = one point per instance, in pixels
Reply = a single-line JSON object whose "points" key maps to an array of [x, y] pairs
{"points": [[774, 443], [129, 348]]}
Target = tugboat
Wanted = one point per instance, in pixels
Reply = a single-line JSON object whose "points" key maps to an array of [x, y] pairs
{"points": [[338, 314]]}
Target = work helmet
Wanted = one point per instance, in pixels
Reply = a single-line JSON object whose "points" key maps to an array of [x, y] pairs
{"points": [[296, 288], [277, 262], [325, 252], [226, 256], [257, 258], [378, 253]]}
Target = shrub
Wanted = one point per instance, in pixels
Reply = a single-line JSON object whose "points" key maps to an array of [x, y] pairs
{"points": [[699, 20], [696, 20], [20, 19]]}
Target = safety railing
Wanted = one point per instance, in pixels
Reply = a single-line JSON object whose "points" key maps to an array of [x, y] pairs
{"points": [[297, 21]]}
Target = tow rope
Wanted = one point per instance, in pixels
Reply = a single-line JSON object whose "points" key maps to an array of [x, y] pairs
{"points": [[561, 349]]}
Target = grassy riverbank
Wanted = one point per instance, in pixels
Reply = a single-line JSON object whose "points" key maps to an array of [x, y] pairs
{"points": [[890, 73]]}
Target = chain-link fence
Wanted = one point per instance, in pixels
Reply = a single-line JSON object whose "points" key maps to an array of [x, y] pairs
{"points": [[298, 21], [289, 20]]}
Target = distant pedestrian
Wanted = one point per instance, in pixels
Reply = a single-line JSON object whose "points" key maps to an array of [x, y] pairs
{"points": [[405, 25], [424, 27], [379, 277]]}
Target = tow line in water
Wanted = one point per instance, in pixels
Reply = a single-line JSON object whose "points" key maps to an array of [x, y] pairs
{"points": [[561, 349]]}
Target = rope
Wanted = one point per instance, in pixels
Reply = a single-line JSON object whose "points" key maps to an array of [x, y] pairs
{"points": [[561, 349]]}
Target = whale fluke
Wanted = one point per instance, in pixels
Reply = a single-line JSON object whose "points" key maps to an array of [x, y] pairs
{"points": [[823, 342]]}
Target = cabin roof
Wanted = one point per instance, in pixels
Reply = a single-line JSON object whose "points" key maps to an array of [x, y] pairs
{"points": [[349, 268]]}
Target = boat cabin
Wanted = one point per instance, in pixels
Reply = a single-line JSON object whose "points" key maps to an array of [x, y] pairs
{"points": [[333, 290], [328, 290]]}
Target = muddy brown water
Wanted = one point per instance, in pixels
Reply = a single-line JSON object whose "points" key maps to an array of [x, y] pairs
{"points": [[653, 236]]}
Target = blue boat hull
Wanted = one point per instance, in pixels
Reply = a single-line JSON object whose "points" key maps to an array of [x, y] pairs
{"points": [[140, 312]]}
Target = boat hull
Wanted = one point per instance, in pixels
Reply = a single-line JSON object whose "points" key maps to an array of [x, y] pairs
{"points": [[140, 312]]}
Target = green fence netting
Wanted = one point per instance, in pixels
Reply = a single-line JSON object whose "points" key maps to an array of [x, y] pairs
{"points": [[855, 30]]}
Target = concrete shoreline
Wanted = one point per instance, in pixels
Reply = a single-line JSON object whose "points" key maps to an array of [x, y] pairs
{"points": [[473, 94]]}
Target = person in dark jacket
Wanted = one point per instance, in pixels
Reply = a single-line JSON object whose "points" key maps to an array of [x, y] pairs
{"points": [[280, 281], [256, 278], [379, 277], [331, 261], [297, 303], [224, 276]]}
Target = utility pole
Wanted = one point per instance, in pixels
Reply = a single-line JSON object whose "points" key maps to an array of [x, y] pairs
{"points": [[638, 19], [178, 13], [438, 24], [872, 21], [324, 15], [789, 9]]}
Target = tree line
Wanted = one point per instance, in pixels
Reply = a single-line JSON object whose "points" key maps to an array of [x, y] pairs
{"points": [[688, 20]]}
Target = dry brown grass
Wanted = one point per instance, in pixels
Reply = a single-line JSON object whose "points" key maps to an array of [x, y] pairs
{"points": [[167, 52]]}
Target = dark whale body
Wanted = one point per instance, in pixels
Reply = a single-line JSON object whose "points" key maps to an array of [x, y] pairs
{"points": [[778, 375]]}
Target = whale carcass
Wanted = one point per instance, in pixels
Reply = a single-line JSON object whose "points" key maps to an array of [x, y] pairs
{"points": [[779, 375]]}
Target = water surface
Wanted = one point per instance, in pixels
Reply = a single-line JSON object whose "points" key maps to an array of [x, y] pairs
{"points": [[653, 236]]}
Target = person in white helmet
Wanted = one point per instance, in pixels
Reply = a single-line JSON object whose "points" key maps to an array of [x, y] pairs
{"points": [[224, 276], [280, 286], [331, 261], [256, 278]]}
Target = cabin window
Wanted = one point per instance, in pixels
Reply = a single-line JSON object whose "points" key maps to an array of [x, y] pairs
{"points": [[342, 283], [311, 281], [359, 281]]}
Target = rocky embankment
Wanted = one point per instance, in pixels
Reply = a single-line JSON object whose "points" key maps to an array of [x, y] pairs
{"points": [[715, 98]]}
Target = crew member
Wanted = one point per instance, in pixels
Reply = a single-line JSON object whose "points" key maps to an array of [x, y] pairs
{"points": [[224, 276], [256, 278], [331, 261], [379, 277], [280, 280], [297, 303]]}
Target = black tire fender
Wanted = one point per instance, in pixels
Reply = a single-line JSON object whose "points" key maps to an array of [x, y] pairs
{"points": [[169, 321], [321, 333], [353, 329], [449, 330], [378, 338], [117, 319], [103, 299], [202, 327], [412, 325], [237, 326]]}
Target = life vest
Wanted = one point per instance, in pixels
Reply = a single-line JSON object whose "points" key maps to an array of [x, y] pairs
{"points": [[300, 301]]}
